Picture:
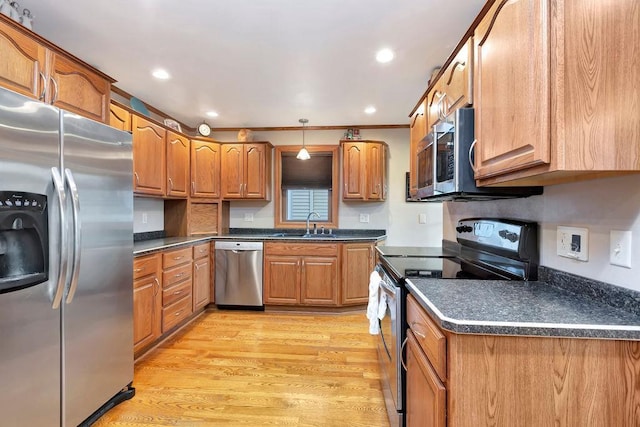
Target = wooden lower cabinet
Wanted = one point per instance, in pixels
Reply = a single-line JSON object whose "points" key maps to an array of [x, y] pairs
{"points": [[357, 263], [147, 301], [426, 395], [201, 276], [519, 380], [309, 278], [177, 284]]}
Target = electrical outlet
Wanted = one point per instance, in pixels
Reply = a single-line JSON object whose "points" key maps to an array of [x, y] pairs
{"points": [[422, 218], [145, 218], [364, 217], [573, 242], [248, 217], [620, 248]]}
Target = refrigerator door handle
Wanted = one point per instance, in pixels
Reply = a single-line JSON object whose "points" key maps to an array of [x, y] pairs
{"points": [[58, 185], [77, 234]]}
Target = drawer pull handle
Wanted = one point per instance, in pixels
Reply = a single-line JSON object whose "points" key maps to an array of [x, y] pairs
{"points": [[415, 331], [176, 258], [138, 270], [179, 313], [177, 292], [179, 275]]}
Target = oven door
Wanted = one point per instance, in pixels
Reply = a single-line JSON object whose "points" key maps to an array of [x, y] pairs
{"points": [[391, 335]]}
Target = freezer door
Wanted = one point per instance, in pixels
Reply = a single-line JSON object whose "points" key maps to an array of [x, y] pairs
{"points": [[98, 304], [29, 325]]}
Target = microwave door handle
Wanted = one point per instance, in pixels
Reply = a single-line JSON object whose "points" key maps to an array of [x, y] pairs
{"points": [[471, 162], [77, 234]]}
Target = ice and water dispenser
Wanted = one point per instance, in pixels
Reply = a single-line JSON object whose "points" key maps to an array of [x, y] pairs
{"points": [[23, 240]]}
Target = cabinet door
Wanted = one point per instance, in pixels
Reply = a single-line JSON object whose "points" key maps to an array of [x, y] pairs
{"points": [[376, 168], [418, 130], [201, 285], [353, 172], [457, 83], [205, 169], [281, 280], [434, 104], [232, 171], [148, 157], [256, 171], [76, 88], [357, 264], [119, 118], [147, 306], [319, 281], [177, 165], [22, 68], [426, 395], [512, 94]]}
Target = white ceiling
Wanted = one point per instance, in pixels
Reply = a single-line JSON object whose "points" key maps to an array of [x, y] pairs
{"points": [[263, 62]]}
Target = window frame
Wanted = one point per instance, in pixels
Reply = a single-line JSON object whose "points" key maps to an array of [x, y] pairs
{"points": [[334, 150]]}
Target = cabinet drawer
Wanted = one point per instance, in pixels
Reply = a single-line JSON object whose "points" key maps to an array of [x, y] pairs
{"points": [[176, 313], [176, 292], [201, 251], [428, 334], [313, 249], [145, 266], [175, 275], [176, 257]]}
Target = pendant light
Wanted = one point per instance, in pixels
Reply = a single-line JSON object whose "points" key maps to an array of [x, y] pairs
{"points": [[303, 154]]}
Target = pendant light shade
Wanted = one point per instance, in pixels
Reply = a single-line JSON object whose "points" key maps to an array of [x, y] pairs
{"points": [[303, 154]]}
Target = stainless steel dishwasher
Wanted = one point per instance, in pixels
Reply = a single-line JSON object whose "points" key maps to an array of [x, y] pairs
{"points": [[238, 274]]}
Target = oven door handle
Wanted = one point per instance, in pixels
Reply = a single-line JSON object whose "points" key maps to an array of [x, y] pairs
{"points": [[387, 288], [404, 343]]}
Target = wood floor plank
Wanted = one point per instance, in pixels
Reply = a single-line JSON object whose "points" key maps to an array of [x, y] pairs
{"points": [[232, 368]]}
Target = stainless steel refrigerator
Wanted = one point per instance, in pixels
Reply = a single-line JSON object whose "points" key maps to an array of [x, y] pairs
{"points": [[66, 261]]}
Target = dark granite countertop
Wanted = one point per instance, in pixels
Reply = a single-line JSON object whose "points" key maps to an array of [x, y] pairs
{"points": [[411, 251], [149, 246], [521, 308]]}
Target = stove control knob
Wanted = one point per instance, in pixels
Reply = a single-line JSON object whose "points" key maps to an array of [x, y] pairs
{"points": [[464, 229], [512, 237]]}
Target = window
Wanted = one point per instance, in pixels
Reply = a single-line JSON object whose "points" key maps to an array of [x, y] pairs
{"points": [[304, 186]]}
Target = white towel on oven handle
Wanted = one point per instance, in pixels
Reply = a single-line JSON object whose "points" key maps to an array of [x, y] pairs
{"points": [[376, 300]]}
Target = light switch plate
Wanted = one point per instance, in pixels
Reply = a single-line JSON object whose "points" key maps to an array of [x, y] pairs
{"points": [[364, 217], [248, 217], [422, 218], [620, 248], [573, 242]]}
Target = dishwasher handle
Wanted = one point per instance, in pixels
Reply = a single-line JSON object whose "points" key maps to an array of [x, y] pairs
{"points": [[238, 246]]}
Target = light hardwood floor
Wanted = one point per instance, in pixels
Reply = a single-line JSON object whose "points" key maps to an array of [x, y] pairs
{"points": [[231, 368]]}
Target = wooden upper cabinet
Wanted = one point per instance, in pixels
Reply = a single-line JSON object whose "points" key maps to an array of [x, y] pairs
{"points": [[232, 170], [434, 104], [512, 90], [457, 79], [418, 130], [364, 168], [148, 157], [353, 170], [119, 118], [23, 62], [78, 89], [376, 171], [33, 67], [246, 171], [205, 169], [178, 148]]}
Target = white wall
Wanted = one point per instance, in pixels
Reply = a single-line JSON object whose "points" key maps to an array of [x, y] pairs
{"points": [[148, 214], [398, 217], [598, 205]]}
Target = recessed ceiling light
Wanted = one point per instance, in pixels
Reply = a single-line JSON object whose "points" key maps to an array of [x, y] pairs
{"points": [[370, 109], [161, 74], [212, 114], [384, 55]]}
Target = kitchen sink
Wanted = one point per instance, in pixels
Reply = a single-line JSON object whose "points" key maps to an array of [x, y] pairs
{"points": [[305, 235]]}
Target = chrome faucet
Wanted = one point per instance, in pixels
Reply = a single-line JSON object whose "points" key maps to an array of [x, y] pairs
{"points": [[308, 217]]}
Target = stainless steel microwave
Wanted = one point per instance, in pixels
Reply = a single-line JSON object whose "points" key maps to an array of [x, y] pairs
{"points": [[445, 158]]}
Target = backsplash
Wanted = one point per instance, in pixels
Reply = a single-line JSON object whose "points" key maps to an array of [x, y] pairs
{"points": [[599, 205]]}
